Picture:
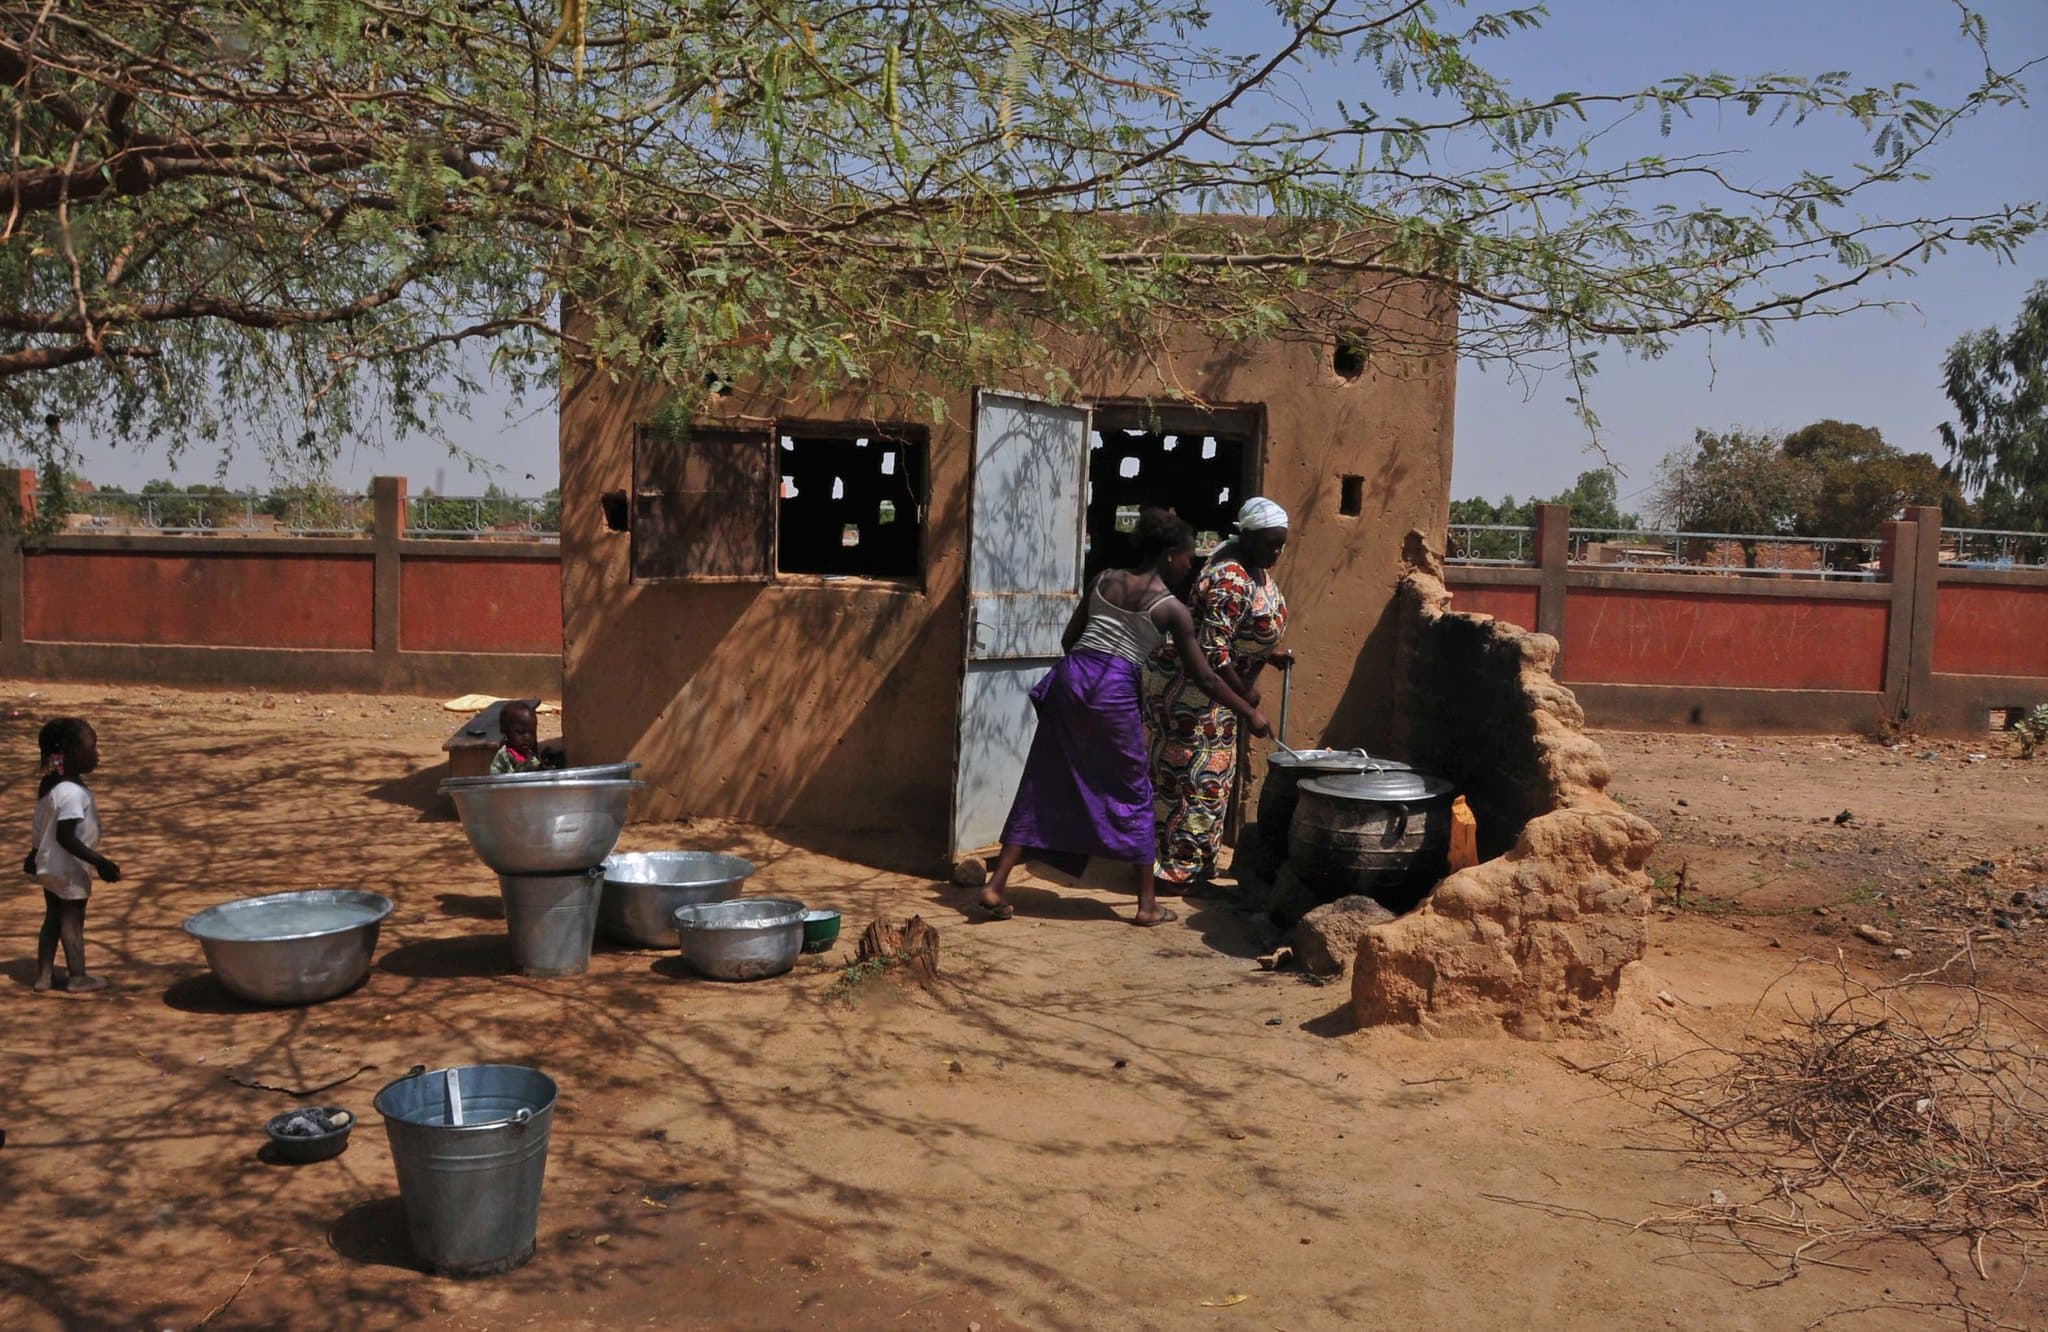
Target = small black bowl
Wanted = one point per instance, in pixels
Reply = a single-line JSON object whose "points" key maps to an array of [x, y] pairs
{"points": [[305, 1151]]}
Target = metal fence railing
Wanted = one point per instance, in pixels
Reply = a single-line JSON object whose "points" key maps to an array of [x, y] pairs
{"points": [[1833, 558], [1491, 543], [1992, 548], [475, 516], [213, 513]]}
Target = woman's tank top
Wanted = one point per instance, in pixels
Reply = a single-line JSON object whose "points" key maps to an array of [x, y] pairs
{"points": [[1129, 634]]}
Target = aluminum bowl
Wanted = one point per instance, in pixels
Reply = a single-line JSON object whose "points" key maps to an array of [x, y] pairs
{"points": [[748, 938], [542, 827], [292, 948], [642, 890]]}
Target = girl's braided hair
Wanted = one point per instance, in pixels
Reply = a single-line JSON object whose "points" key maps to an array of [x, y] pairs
{"points": [[57, 736]]}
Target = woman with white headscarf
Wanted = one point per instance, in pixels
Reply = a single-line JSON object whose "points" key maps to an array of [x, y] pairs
{"points": [[1239, 615]]}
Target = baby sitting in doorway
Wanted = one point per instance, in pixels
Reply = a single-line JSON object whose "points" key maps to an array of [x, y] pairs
{"points": [[522, 752]]}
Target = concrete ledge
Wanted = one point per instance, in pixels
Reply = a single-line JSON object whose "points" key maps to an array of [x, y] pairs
{"points": [[1492, 575], [410, 548], [1702, 708], [264, 547], [1994, 577], [1721, 585], [270, 547], [501, 673]]}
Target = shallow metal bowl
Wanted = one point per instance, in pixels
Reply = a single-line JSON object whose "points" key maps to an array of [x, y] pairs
{"points": [[542, 827], [642, 890], [292, 948], [748, 938]]}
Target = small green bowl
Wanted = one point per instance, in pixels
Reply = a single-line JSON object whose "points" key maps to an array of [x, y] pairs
{"points": [[821, 930]]}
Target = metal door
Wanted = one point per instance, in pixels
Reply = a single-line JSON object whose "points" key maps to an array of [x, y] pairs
{"points": [[1028, 497]]}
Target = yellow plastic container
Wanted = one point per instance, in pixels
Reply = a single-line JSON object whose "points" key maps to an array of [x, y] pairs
{"points": [[1464, 836]]}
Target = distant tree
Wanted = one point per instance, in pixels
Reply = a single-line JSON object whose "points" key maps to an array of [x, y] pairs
{"points": [[1594, 503], [1483, 512], [1591, 502], [1998, 444], [1736, 481], [1855, 481]]}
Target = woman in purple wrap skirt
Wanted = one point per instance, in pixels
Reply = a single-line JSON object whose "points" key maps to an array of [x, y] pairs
{"points": [[1086, 790]]}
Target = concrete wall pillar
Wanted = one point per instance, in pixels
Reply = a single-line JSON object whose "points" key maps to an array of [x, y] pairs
{"points": [[1926, 583], [19, 485], [1900, 563], [1553, 559], [387, 496]]}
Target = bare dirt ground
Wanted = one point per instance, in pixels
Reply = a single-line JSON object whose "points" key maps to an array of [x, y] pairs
{"points": [[1083, 1125]]}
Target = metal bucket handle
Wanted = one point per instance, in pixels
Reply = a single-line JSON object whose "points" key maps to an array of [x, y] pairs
{"points": [[520, 1117], [1400, 829]]}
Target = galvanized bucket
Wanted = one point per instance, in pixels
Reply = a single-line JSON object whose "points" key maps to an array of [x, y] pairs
{"points": [[552, 920], [471, 1147]]}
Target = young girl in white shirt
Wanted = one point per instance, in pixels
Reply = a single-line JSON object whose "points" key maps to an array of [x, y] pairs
{"points": [[63, 857]]}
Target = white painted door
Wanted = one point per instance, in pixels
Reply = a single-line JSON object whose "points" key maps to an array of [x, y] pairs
{"points": [[1029, 495]]}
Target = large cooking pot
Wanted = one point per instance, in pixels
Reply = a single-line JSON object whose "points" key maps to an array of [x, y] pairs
{"points": [[1287, 769], [1386, 835]]}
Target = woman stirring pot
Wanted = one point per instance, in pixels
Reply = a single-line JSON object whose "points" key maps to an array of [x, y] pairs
{"points": [[1239, 616]]}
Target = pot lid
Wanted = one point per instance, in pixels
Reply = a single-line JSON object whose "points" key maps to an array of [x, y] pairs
{"points": [[1379, 786], [1332, 760]]}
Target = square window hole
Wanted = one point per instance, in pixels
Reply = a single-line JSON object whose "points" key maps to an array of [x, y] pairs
{"points": [[1351, 496], [851, 501]]}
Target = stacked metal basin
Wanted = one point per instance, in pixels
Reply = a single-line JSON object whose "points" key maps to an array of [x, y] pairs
{"points": [[547, 835]]}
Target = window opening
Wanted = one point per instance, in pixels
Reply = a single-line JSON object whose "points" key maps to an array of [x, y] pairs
{"points": [[850, 502], [1135, 465], [1351, 496]]}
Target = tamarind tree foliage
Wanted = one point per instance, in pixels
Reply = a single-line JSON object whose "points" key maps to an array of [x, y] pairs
{"points": [[300, 211]]}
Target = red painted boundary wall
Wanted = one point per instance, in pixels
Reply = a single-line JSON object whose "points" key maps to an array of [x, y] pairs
{"points": [[222, 600], [464, 604], [376, 613], [1936, 647]]}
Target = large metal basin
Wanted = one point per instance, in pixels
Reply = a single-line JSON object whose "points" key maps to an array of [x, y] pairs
{"points": [[542, 827], [642, 890], [748, 938], [292, 948], [598, 771]]}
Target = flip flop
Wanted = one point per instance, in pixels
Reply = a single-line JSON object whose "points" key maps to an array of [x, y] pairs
{"points": [[1165, 914], [997, 910]]}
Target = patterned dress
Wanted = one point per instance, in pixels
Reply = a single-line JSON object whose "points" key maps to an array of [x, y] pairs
{"points": [[1239, 617]]}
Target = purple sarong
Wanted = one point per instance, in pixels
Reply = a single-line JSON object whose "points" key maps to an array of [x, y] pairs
{"points": [[1086, 789]]}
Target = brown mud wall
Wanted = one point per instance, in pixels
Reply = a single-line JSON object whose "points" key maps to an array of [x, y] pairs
{"points": [[1531, 941], [832, 704]]}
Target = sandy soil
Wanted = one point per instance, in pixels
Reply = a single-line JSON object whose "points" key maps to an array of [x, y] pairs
{"points": [[1083, 1125]]}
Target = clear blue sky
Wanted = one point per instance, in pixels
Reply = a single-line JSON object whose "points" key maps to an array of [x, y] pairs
{"points": [[1877, 368]]}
